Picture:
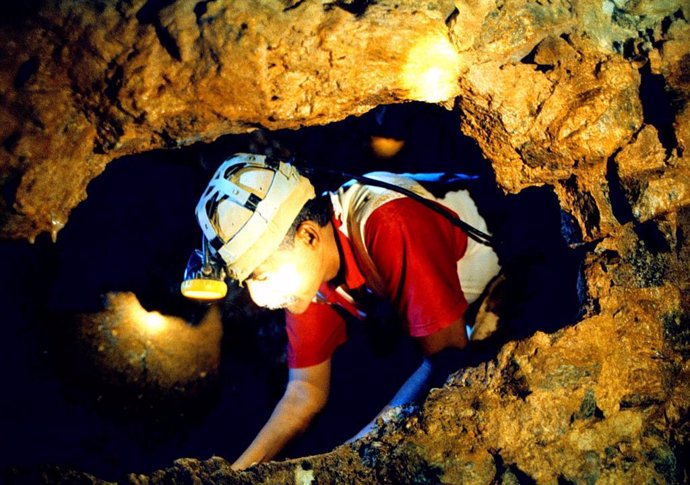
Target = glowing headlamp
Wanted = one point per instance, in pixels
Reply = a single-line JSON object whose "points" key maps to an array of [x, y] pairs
{"points": [[204, 276]]}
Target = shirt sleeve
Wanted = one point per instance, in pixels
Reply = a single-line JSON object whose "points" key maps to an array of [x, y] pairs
{"points": [[415, 251], [313, 335]]}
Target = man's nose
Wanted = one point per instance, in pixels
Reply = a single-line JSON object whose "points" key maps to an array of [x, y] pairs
{"points": [[258, 293]]}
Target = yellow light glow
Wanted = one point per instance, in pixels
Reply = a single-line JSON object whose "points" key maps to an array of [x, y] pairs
{"points": [[152, 322], [431, 71], [384, 147], [152, 349], [279, 287], [202, 289]]}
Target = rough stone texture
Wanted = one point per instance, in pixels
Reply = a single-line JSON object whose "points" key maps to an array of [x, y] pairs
{"points": [[604, 401], [129, 346], [550, 91], [555, 93], [86, 82]]}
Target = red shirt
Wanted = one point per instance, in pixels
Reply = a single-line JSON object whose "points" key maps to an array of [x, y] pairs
{"points": [[415, 251]]}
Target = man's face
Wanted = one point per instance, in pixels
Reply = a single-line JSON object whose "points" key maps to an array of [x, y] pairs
{"points": [[291, 276]]}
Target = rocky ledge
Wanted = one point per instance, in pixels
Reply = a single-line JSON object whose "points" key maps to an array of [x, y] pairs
{"points": [[590, 98]]}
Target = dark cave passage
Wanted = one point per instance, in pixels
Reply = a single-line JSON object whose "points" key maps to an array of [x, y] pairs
{"points": [[135, 232]]}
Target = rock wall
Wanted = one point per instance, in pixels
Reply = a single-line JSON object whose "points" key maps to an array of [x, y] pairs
{"points": [[588, 97], [550, 91], [604, 401], [86, 82]]}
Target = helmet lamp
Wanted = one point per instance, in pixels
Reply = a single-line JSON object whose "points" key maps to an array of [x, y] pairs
{"points": [[204, 277]]}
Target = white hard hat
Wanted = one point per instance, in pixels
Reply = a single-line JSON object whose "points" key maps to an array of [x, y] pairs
{"points": [[248, 208]]}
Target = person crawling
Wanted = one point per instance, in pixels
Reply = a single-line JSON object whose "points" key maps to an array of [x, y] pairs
{"points": [[318, 256]]}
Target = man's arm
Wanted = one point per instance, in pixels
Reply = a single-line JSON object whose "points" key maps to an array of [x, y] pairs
{"points": [[306, 394], [440, 353]]}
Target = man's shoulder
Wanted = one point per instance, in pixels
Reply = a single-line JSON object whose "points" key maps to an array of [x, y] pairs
{"points": [[361, 200]]}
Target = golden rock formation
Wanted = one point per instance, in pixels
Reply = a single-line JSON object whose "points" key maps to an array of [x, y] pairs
{"points": [[558, 93]]}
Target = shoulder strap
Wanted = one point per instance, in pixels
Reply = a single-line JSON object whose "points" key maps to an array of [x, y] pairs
{"points": [[366, 264], [357, 202]]}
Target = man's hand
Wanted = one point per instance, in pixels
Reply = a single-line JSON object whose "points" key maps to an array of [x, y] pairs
{"points": [[306, 394]]}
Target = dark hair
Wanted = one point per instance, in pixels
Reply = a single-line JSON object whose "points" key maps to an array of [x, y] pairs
{"points": [[317, 209]]}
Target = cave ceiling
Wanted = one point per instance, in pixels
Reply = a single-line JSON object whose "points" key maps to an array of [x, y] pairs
{"points": [[551, 92], [589, 98]]}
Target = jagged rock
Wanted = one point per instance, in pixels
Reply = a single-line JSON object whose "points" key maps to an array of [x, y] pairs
{"points": [[554, 93], [130, 347], [606, 400], [549, 98], [547, 90], [86, 82]]}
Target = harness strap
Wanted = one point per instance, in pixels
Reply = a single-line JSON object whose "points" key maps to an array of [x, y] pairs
{"points": [[374, 280]]}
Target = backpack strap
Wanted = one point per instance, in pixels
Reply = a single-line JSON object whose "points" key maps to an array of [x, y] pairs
{"points": [[366, 265], [354, 203]]}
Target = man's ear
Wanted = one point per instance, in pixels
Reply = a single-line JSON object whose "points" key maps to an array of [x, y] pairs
{"points": [[309, 233]]}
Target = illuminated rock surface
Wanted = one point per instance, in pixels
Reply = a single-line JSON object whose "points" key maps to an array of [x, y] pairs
{"points": [[588, 97], [146, 349], [84, 83]]}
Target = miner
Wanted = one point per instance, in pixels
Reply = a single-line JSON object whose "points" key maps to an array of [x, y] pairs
{"points": [[319, 256]]}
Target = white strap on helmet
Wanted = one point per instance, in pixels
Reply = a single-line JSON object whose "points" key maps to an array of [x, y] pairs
{"points": [[240, 225]]}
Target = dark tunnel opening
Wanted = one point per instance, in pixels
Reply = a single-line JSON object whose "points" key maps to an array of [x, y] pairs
{"points": [[134, 234]]}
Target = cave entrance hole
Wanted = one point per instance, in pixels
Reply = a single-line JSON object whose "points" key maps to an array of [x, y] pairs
{"points": [[136, 229]]}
